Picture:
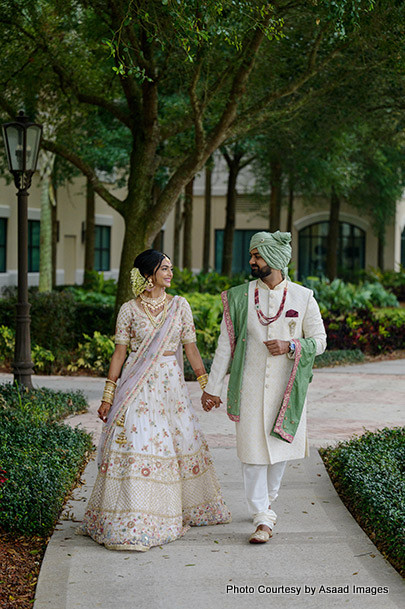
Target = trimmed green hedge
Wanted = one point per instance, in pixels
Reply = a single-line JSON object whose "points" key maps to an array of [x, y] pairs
{"points": [[368, 473], [40, 459], [58, 320], [339, 357], [43, 405]]}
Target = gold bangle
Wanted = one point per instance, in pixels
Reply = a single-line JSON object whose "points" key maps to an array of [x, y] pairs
{"points": [[108, 396], [110, 387], [203, 380], [109, 381], [109, 391], [107, 400]]}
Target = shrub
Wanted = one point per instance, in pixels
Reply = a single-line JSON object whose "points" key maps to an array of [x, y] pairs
{"points": [[94, 354], [207, 314], [91, 298], [372, 331], [40, 458], [92, 318], [341, 297], [58, 321], [394, 281], [42, 404], [41, 461], [368, 474], [7, 338], [43, 359], [184, 282], [339, 357], [52, 318], [95, 282]]}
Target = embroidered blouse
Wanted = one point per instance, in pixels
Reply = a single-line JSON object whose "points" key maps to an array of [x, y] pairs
{"points": [[133, 324]]}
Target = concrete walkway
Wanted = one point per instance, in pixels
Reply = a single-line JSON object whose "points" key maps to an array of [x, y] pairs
{"points": [[318, 556]]}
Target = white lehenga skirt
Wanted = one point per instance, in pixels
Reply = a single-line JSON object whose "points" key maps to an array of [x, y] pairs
{"points": [[152, 488]]}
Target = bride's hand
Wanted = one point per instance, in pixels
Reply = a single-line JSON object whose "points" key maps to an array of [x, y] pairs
{"points": [[103, 411]]}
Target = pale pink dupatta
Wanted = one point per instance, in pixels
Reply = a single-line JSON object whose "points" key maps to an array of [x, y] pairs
{"points": [[136, 371]]}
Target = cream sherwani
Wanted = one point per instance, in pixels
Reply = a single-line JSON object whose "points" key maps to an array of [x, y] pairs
{"points": [[265, 376]]}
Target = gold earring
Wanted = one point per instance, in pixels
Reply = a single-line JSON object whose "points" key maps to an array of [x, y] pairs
{"points": [[150, 283]]}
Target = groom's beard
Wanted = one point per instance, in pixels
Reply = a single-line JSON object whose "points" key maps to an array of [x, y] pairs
{"points": [[261, 273]]}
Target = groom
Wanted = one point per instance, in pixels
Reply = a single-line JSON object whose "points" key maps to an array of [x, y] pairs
{"points": [[271, 332]]}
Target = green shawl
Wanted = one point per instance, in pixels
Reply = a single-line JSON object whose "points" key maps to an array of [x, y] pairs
{"points": [[290, 412], [235, 303]]}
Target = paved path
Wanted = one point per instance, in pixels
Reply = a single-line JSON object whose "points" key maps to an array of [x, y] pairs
{"points": [[316, 543]]}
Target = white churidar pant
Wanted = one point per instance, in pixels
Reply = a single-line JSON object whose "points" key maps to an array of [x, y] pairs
{"points": [[262, 483]]}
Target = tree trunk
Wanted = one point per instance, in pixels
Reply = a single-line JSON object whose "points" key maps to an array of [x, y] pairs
{"points": [[158, 242], [207, 217], [380, 250], [230, 218], [290, 211], [188, 225], [134, 243], [178, 221], [90, 233], [275, 195], [54, 237], [333, 237], [45, 252]]}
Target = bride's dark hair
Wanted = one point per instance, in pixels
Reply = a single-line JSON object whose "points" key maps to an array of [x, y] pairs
{"points": [[149, 261]]}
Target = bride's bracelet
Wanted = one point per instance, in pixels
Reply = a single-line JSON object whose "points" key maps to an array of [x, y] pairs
{"points": [[203, 380], [109, 391]]}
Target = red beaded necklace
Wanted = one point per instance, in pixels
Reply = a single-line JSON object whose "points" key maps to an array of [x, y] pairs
{"points": [[265, 321]]}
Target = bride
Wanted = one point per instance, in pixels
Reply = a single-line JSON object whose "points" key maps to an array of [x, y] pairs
{"points": [[156, 477]]}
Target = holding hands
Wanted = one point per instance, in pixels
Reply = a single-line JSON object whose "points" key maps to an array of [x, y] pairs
{"points": [[208, 401]]}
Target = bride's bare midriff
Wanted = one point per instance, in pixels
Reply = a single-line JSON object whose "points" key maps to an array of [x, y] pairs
{"points": [[169, 353]]}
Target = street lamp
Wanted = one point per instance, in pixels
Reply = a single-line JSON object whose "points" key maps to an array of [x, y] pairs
{"points": [[22, 140]]}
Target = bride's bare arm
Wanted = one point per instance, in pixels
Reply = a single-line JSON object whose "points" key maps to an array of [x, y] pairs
{"points": [[117, 361], [194, 357]]}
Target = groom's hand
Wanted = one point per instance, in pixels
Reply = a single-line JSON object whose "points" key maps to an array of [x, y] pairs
{"points": [[277, 347], [208, 401]]}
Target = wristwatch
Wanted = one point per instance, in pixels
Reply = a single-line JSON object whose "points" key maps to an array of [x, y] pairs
{"points": [[291, 347]]}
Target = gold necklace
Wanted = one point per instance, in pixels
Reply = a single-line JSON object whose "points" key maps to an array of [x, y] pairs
{"points": [[153, 303], [156, 323]]}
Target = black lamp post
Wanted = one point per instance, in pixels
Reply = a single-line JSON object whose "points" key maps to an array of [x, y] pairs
{"points": [[22, 140]]}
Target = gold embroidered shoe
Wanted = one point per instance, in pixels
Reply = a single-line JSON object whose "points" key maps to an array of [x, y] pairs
{"points": [[260, 536]]}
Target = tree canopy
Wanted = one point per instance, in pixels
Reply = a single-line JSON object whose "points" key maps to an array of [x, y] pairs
{"points": [[175, 79]]}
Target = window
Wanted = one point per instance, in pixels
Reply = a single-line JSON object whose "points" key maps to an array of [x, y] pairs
{"points": [[313, 247], [240, 250], [33, 245], [3, 244], [102, 248]]}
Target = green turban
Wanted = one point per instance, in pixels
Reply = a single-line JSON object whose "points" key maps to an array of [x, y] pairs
{"points": [[274, 248]]}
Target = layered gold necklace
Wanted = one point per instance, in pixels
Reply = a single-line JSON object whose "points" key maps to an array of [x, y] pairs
{"points": [[152, 305]]}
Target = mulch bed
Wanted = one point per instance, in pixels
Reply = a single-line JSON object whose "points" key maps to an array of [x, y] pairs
{"points": [[20, 562]]}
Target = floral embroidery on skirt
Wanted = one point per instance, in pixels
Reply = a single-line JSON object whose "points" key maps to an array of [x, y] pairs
{"points": [[152, 488]]}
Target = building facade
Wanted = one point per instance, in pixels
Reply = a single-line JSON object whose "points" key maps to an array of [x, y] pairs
{"points": [[358, 245]]}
